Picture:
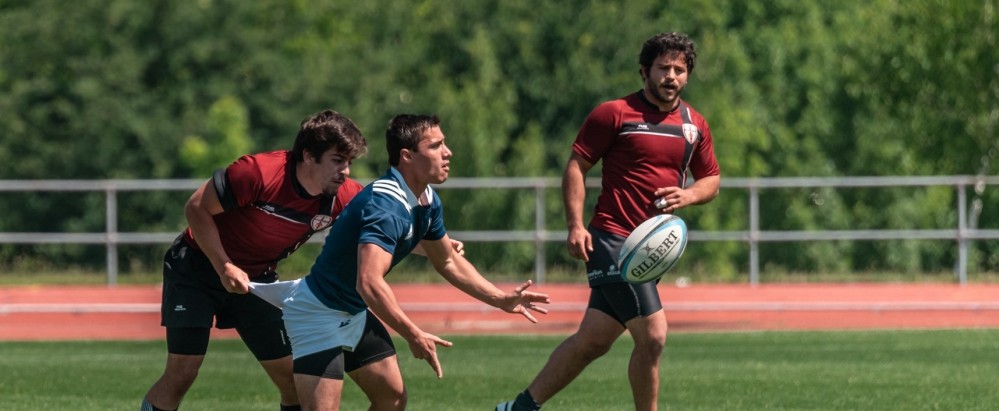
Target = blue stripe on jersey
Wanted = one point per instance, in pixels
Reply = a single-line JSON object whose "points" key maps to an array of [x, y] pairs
{"points": [[385, 213]]}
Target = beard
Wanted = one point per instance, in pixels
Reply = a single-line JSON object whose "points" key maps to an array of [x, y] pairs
{"points": [[331, 189], [660, 93]]}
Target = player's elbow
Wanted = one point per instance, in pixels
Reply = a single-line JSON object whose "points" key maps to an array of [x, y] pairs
{"points": [[367, 289], [446, 268], [712, 195], [709, 190], [190, 207]]}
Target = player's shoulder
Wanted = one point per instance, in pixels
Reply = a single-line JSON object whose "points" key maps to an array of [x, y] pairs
{"points": [[389, 193], [264, 168], [349, 191], [615, 108], [695, 115], [349, 188], [264, 161], [616, 105], [277, 156]]}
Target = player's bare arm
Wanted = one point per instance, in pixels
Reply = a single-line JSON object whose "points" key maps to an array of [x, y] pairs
{"points": [[458, 246], [373, 262], [670, 199], [579, 242], [463, 275], [200, 208]]}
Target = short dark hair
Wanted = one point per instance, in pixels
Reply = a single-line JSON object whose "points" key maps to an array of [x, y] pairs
{"points": [[665, 43], [406, 131], [328, 129]]}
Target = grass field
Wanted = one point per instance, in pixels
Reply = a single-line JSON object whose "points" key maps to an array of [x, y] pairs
{"points": [[884, 370]]}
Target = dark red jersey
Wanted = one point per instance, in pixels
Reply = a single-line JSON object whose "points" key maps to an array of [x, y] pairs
{"points": [[642, 150], [267, 213]]}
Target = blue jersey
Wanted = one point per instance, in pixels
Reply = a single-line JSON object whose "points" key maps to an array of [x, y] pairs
{"points": [[386, 213]]}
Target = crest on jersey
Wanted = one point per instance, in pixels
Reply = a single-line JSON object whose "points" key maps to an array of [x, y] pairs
{"points": [[320, 222], [690, 132]]}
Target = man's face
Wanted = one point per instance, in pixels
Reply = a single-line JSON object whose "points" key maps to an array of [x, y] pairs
{"points": [[665, 79], [329, 171], [432, 158]]}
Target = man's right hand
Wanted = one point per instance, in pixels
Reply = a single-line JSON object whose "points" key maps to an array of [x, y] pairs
{"points": [[235, 279], [580, 243], [424, 347]]}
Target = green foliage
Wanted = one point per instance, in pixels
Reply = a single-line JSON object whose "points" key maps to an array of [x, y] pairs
{"points": [[166, 89], [228, 139]]}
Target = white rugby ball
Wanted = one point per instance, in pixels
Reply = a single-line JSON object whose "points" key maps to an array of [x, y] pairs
{"points": [[652, 248]]}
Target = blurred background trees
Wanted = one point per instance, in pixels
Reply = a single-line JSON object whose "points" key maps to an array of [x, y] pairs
{"points": [[173, 89]]}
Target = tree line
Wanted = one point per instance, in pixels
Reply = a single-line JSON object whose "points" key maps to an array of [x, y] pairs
{"points": [[174, 89]]}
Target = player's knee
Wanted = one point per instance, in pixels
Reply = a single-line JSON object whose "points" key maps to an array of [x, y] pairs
{"points": [[183, 378], [395, 400], [285, 382], [401, 401], [591, 349], [651, 347], [288, 394]]}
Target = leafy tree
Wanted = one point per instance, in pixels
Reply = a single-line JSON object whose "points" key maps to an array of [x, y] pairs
{"points": [[173, 89]]}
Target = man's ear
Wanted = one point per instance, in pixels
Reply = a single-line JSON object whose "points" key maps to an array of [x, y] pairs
{"points": [[307, 157], [405, 154]]}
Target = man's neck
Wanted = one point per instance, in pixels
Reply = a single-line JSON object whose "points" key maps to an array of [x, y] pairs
{"points": [[415, 185], [301, 176]]}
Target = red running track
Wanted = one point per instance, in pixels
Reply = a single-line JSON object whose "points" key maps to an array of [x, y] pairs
{"points": [[132, 312]]}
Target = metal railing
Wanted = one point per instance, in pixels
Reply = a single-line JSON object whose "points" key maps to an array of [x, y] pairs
{"points": [[961, 234]]}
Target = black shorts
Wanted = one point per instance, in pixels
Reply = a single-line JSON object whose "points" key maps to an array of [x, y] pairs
{"points": [[193, 297], [626, 301], [375, 344], [601, 268], [609, 293]]}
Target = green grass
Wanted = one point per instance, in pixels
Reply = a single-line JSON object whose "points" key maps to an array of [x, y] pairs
{"points": [[884, 370]]}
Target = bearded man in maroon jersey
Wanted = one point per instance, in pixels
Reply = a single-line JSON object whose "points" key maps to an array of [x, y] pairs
{"points": [[648, 142]]}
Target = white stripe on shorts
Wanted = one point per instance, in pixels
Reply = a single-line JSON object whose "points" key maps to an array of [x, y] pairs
{"points": [[274, 293]]}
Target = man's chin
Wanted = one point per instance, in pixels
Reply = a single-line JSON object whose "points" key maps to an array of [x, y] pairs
{"points": [[331, 190]]}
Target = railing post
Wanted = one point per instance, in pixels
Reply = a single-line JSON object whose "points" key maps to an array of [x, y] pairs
{"points": [[539, 233], [111, 233], [754, 234], [962, 235]]}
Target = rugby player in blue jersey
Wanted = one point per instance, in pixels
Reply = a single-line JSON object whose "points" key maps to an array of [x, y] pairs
{"points": [[335, 315]]}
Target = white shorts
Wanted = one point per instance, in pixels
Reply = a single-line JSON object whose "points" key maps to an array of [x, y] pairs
{"points": [[311, 325], [275, 292]]}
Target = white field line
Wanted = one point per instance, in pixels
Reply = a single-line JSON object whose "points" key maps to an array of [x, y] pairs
{"points": [[706, 306]]}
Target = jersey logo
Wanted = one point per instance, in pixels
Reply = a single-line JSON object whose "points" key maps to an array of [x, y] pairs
{"points": [[320, 222], [690, 132]]}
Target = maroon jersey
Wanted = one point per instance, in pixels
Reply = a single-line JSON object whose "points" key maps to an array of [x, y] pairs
{"points": [[267, 213], [642, 150]]}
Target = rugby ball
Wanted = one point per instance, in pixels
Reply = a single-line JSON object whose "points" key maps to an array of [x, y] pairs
{"points": [[652, 248]]}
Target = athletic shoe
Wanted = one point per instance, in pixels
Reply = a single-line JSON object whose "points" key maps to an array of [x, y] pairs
{"points": [[506, 406]]}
